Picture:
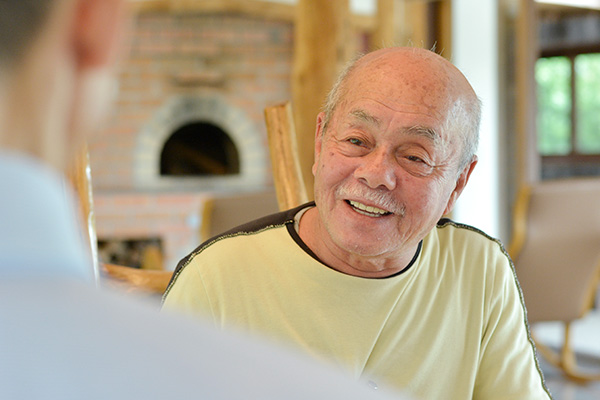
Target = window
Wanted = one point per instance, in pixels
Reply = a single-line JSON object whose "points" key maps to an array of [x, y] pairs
{"points": [[587, 84], [568, 119]]}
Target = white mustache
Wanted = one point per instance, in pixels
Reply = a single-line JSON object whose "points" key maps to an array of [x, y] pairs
{"points": [[379, 198]]}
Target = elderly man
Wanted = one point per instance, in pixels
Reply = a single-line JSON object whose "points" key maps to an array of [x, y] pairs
{"points": [[60, 336], [369, 275]]}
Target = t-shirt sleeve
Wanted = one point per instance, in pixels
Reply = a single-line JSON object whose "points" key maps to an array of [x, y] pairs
{"points": [[508, 367], [187, 294]]}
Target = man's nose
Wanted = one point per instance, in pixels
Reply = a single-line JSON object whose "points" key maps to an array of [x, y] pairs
{"points": [[378, 169]]}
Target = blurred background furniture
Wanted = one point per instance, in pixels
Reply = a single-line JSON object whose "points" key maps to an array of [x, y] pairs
{"points": [[132, 280], [556, 251], [220, 213]]}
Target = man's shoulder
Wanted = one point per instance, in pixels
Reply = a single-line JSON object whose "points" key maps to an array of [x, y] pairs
{"points": [[467, 239], [466, 244], [452, 230], [238, 241], [256, 226]]}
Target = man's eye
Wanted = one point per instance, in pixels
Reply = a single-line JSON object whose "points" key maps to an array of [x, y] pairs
{"points": [[415, 159], [416, 166], [355, 141]]}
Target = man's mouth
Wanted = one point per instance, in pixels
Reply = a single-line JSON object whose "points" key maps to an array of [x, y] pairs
{"points": [[369, 211]]}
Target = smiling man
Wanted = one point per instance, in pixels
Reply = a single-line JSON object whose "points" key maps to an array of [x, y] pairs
{"points": [[61, 335], [369, 275]]}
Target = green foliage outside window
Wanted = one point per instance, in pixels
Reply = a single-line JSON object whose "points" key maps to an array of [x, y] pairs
{"points": [[587, 85], [553, 76], [555, 105]]}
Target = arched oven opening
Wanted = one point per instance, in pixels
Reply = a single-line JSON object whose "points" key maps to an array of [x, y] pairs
{"points": [[199, 149]]}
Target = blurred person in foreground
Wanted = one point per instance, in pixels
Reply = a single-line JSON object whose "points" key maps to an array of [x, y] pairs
{"points": [[60, 336], [369, 274]]}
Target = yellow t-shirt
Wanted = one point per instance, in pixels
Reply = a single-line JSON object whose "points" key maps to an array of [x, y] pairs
{"points": [[450, 326]]}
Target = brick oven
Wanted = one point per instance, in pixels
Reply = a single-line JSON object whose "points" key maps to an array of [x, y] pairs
{"points": [[188, 124]]}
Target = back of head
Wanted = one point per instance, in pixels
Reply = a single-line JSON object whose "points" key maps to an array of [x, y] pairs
{"points": [[57, 60], [20, 22]]}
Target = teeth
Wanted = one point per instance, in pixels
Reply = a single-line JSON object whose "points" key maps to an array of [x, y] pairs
{"points": [[368, 209]]}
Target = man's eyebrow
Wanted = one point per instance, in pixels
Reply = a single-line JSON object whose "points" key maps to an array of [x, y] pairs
{"points": [[364, 116], [416, 130], [424, 131]]}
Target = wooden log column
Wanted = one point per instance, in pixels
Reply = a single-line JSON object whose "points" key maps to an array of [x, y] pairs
{"points": [[323, 37], [384, 34], [526, 53]]}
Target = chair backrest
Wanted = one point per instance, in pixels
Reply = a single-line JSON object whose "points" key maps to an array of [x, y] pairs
{"points": [[285, 157], [122, 277], [220, 214], [558, 257], [80, 178]]}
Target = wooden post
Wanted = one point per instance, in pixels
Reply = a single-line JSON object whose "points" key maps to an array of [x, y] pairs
{"points": [[444, 29], [528, 162], [322, 37], [416, 24], [384, 34]]}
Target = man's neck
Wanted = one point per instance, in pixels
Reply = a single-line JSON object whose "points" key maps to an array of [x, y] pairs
{"points": [[344, 261]]}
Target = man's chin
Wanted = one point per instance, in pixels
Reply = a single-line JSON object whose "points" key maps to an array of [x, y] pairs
{"points": [[364, 248]]}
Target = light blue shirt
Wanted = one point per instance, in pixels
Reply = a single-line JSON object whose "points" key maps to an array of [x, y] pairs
{"points": [[39, 232], [62, 338]]}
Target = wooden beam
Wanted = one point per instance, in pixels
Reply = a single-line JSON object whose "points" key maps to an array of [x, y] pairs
{"points": [[384, 34], [416, 23], [321, 39], [423, 23], [444, 28], [527, 50], [145, 6], [271, 10], [257, 8]]}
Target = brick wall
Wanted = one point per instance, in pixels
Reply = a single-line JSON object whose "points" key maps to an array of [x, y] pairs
{"points": [[244, 61], [174, 219]]}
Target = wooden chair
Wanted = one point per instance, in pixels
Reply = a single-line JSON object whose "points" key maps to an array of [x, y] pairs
{"points": [[79, 176], [290, 192], [125, 278], [285, 157], [224, 212], [556, 251]]}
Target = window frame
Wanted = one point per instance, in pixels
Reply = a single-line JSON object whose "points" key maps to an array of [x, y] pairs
{"points": [[573, 157]]}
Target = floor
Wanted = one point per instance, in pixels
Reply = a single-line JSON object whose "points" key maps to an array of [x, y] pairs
{"points": [[586, 343]]}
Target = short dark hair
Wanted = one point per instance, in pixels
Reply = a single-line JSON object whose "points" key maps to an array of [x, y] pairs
{"points": [[20, 21]]}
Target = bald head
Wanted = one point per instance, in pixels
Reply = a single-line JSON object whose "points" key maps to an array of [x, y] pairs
{"points": [[413, 77]]}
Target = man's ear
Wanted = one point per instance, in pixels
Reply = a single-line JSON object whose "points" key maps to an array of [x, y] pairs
{"points": [[97, 29], [318, 140], [460, 184]]}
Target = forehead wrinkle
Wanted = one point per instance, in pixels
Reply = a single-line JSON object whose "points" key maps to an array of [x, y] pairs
{"points": [[416, 130], [364, 116]]}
